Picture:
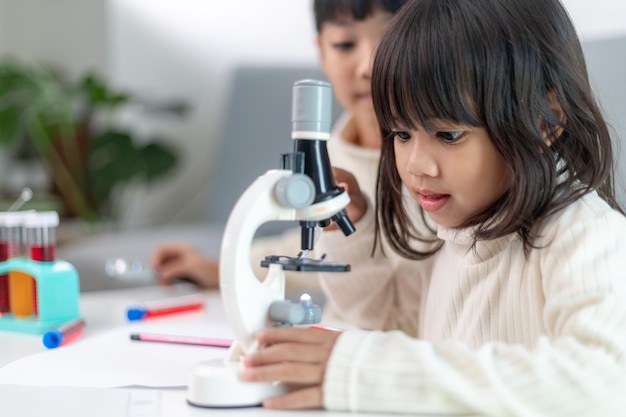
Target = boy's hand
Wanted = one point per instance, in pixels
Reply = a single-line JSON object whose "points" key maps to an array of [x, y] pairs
{"points": [[358, 203], [296, 356], [183, 261]]}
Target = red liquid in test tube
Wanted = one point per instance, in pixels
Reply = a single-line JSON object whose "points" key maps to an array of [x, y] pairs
{"points": [[41, 230], [41, 238], [4, 279], [43, 253], [4, 250]]}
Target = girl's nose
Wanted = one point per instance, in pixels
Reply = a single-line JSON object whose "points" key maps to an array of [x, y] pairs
{"points": [[421, 161]]}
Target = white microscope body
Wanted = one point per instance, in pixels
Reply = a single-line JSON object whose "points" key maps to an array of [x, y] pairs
{"points": [[304, 191]]}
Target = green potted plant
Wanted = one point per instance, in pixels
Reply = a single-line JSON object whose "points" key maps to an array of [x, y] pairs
{"points": [[70, 126]]}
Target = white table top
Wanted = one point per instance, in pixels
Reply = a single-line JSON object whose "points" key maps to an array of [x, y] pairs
{"points": [[101, 312]]}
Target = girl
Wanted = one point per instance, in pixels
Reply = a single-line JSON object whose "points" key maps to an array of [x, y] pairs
{"points": [[520, 309]]}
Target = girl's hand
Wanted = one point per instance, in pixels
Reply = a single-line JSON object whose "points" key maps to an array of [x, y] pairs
{"points": [[358, 203], [296, 356]]}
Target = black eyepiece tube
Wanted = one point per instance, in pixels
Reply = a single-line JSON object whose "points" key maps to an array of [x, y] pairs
{"points": [[307, 235], [344, 223]]}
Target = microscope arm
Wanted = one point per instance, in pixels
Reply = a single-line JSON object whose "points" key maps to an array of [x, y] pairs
{"points": [[246, 299], [271, 197]]}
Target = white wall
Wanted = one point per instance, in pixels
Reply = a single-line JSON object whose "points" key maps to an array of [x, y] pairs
{"points": [[68, 33], [597, 19], [187, 49]]}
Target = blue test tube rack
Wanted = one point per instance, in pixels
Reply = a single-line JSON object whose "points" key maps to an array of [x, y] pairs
{"points": [[57, 292]]}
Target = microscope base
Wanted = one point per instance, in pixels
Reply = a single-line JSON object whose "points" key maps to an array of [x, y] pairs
{"points": [[215, 384]]}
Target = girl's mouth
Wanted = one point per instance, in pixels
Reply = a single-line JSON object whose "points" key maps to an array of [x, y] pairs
{"points": [[433, 202]]}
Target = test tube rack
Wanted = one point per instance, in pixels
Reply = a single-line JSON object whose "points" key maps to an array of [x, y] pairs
{"points": [[57, 292]]}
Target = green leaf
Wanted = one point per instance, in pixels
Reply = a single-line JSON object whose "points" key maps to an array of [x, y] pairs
{"points": [[157, 160], [11, 126], [98, 93]]}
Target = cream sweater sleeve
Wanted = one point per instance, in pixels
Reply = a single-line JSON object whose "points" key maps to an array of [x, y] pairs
{"points": [[575, 367]]}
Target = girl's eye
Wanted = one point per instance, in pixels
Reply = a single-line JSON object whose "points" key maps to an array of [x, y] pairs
{"points": [[402, 135], [450, 136], [343, 46]]}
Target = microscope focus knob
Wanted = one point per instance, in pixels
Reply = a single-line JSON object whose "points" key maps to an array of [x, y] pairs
{"points": [[286, 312], [295, 191]]}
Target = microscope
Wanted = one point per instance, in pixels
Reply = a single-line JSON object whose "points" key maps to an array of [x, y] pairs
{"points": [[302, 190]]}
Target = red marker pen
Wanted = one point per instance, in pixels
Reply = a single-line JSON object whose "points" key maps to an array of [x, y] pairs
{"points": [[64, 334], [165, 307]]}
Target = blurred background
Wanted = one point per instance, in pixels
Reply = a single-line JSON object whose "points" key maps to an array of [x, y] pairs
{"points": [[166, 53], [157, 82]]}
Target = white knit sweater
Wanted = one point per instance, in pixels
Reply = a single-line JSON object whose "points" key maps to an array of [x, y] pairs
{"points": [[486, 331]]}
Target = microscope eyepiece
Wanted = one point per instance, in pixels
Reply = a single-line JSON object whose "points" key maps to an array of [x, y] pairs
{"points": [[311, 112], [344, 222]]}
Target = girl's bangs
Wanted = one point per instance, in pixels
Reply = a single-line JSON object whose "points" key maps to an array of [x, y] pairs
{"points": [[430, 75]]}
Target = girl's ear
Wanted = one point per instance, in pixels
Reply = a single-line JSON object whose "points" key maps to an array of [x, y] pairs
{"points": [[555, 131]]}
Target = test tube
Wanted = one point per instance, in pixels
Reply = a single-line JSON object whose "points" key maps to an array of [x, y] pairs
{"points": [[41, 244], [22, 287], [41, 235], [4, 255], [12, 222]]}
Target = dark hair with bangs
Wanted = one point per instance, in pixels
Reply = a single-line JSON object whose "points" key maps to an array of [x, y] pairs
{"points": [[498, 65], [333, 10]]}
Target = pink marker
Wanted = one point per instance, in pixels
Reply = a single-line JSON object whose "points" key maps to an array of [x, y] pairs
{"points": [[182, 340]]}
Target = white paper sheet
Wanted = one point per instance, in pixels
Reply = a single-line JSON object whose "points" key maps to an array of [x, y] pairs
{"points": [[111, 359]]}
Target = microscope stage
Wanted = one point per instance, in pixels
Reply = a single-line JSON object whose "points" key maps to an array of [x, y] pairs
{"points": [[304, 264]]}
